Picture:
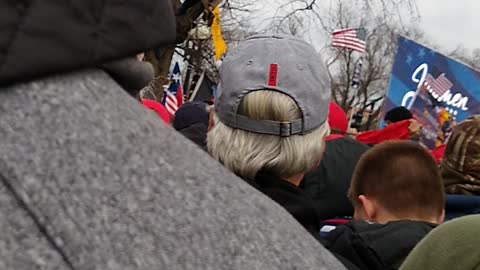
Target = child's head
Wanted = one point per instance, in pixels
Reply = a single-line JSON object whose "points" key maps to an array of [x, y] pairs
{"points": [[397, 181]]}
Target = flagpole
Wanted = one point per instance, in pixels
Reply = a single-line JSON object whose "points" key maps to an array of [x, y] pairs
{"points": [[355, 87], [350, 118], [354, 39], [197, 86]]}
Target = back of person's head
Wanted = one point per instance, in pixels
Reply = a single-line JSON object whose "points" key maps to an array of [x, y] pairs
{"points": [[192, 120], [452, 245], [337, 119], [271, 112], [247, 153], [397, 114], [461, 162], [189, 114], [396, 181], [148, 92]]}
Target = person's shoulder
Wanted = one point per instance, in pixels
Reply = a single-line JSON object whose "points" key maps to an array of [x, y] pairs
{"points": [[116, 142], [347, 230], [400, 231], [362, 227], [410, 225], [350, 142], [366, 226], [346, 146]]}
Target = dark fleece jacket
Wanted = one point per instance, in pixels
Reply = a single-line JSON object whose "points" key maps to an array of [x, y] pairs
{"points": [[197, 133], [377, 246]]}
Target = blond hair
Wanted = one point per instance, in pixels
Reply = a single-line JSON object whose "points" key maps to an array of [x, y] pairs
{"points": [[247, 153]]}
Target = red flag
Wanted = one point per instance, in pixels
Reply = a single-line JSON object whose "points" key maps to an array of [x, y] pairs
{"points": [[438, 153], [396, 131], [179, 95]]}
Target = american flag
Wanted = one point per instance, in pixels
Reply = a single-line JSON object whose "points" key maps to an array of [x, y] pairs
{"points": [[353, 39], [437, 87], [173, 95]]}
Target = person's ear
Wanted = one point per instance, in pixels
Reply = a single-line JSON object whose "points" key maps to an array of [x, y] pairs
{"points": [[369, 208], [211, 123], [388, 122]]}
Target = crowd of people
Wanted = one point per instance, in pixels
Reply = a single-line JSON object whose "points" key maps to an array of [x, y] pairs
{"points": [[374, 200], [369, 200]]}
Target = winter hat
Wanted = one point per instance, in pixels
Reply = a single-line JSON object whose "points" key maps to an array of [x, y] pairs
{"points": [[189, 114], [461, 162], [337, 118], [398, 114]]}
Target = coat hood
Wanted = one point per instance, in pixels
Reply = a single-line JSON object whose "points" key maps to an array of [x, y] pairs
{"points": [[39, 38]]}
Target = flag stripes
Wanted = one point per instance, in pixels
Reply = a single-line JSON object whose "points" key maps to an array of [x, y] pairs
{"points": [[353, 39], [171, 103], [173, 96], [439, 86]]}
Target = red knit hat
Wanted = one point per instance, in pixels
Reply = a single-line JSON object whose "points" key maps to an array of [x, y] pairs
{"points": [[337, 119]]}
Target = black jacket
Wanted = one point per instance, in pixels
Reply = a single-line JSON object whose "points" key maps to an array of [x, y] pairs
{"points": [[292, 198], [197, 133], [376, 246], [328, 184]]}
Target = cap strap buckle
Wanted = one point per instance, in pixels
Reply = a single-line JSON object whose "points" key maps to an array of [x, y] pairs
{"points": [[285, 129]]}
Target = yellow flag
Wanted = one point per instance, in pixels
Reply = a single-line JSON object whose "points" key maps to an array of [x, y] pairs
{"points": [[218, 42]]}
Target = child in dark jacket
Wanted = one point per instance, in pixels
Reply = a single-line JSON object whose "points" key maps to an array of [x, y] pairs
{"points": [[398, 197]]}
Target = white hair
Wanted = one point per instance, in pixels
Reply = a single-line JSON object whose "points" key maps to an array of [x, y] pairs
{"points": [[247, 153]]}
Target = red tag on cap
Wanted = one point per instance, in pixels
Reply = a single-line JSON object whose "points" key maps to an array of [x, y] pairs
{"points": [[272, 75]]}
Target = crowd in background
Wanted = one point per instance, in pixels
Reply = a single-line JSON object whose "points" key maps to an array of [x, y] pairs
{"points": [[369, 198]]}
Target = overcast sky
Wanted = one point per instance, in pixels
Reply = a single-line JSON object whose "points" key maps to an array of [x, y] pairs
{"points": [[451, 23], [447, 23]]}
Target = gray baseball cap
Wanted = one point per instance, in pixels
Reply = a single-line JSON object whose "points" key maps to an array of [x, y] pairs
{"points": [[279, 63]]}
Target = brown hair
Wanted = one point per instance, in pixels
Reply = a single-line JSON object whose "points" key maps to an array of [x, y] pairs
{"points": [[402, 177]]}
